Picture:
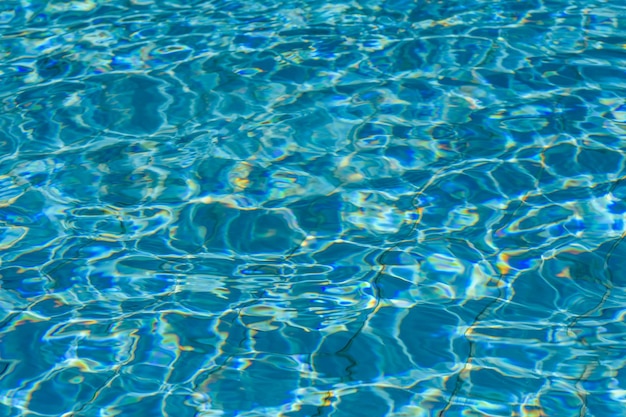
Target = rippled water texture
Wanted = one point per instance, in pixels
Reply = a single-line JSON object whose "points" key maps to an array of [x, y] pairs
{"points": [[309, 208]]}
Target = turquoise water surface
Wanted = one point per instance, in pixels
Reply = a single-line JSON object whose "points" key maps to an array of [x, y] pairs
{"points": [[310, 208]]}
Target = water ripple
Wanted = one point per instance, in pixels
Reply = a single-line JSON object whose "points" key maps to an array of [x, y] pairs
{"points": [[213, 208]]}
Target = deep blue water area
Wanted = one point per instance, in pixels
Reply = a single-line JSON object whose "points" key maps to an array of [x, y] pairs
{"points": [[308, 208]]}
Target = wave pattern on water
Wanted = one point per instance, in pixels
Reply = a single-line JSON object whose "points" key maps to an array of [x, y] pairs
{"points": [[255, 208]]}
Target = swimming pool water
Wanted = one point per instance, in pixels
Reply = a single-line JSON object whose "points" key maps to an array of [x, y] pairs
{"points": [[309, 208]]}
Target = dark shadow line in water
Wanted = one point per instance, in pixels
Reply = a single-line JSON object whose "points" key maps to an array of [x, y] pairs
{"points": [[376, 287], [586, 373], [460, 378], [12, 315], [97, 392], [4, 369], [589, 368]]}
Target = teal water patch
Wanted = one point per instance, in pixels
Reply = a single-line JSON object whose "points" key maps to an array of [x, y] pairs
{"points": [[244, 208]]}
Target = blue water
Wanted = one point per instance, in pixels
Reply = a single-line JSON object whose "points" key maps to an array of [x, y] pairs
{"points": [[308, 208]]}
